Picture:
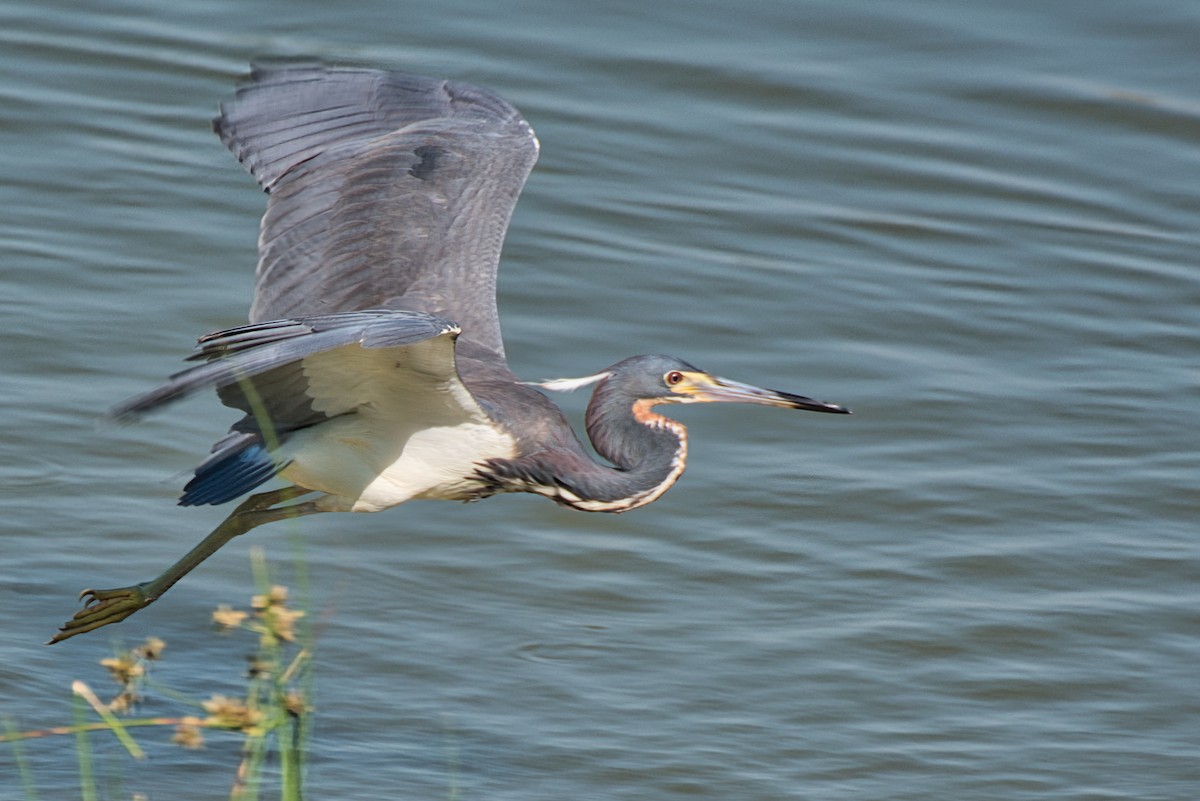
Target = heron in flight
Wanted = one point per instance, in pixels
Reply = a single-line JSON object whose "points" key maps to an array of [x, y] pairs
{"points": [[372, 371]]}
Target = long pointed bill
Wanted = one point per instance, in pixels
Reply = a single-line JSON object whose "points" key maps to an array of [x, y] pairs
{"points": [[713, 389]]}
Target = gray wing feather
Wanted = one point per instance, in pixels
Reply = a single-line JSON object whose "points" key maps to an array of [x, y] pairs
{"points": [[272, 354], [386, 190]]}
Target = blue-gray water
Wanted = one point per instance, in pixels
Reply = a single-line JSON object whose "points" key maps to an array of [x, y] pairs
{"points": [[973, 223]]}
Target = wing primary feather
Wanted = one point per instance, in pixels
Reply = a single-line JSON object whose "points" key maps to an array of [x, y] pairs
{"points": [[385, 189]]}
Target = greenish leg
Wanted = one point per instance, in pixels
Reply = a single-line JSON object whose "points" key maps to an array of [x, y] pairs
{"points": [[102, 607]]}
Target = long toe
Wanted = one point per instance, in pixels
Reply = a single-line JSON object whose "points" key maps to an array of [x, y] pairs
{"points": [[102, 607]]}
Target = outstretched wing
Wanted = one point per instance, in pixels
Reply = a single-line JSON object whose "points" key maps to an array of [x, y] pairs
{"points": [[386, 190], [287, 375]]}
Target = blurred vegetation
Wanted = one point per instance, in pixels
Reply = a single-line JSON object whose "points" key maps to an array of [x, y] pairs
{"points": [[271, 716]]}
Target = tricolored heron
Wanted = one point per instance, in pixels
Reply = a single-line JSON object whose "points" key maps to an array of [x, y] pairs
{"points": [[372, 371]]}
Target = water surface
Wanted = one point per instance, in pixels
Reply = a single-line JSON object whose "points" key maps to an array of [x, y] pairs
{"points": [[973, 224]]}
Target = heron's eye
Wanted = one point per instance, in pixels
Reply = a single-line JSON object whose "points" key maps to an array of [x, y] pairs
{"points": [[672, 378]]}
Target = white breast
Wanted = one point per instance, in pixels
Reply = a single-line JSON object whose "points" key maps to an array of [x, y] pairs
{"points": [[366, 468], [402, 426]]}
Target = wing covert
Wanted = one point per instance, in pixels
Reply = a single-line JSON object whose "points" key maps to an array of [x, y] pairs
{"points": [[274, 356]]}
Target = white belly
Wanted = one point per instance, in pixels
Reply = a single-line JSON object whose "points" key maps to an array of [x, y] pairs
{"points": [[364, 466]]}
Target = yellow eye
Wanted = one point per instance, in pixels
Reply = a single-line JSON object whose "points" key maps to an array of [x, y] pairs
{"points": [[672, 378]]}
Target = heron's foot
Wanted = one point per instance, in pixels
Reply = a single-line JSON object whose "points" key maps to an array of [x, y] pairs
{"points": [[102, 607]]}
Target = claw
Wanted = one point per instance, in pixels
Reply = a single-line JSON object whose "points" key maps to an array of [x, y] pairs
{"points": [[102, 607]]}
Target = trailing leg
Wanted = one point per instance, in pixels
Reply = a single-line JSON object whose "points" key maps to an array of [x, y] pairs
{"points": [[102, 607]]}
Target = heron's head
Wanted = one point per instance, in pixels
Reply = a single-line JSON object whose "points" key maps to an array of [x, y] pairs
{"points": [[665, 379]]}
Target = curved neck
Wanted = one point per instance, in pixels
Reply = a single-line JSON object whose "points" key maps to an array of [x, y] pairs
{"points": [[648, 452]]}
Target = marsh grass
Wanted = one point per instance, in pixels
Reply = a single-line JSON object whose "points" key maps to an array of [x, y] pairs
{"points": [[271, 716]]}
